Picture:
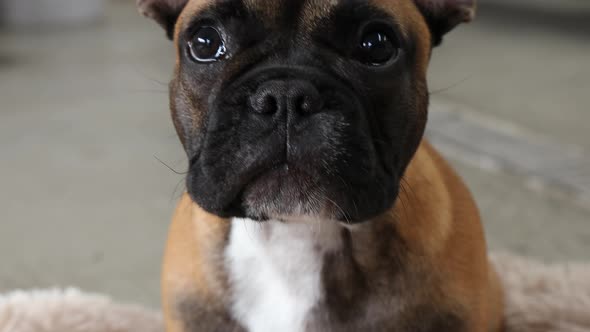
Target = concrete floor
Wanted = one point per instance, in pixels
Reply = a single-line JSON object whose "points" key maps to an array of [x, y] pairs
{"points": [[533, 70], [83, 117]]}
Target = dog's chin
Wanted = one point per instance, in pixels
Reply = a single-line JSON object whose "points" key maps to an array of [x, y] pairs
{"points": [[286, 192], [293, 192]]}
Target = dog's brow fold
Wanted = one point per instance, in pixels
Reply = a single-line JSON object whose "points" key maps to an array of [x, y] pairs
{"points": [[307, 12]]}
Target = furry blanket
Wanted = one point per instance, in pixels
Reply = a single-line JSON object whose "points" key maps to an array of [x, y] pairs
{"points": [[539, 298], [72, 311], [544, 298]]}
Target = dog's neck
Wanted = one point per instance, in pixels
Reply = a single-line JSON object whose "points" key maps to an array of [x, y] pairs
{"points": [[275, 270], [310, 275]]}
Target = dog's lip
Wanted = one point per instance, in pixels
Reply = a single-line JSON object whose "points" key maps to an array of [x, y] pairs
{"points": [[280, 169], [279, 178]]}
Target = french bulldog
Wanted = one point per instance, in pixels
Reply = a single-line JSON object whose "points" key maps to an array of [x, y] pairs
{"points": [[313, 201]]}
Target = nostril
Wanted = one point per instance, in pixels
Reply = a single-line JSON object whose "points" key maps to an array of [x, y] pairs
{"points": [[308, 105], [302, 104], [263, 103], [305, 98], [292, 96]]}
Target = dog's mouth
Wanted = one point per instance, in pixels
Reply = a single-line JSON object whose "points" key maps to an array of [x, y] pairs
{"points": [[287, 143], [341, 184], [283, 191]]}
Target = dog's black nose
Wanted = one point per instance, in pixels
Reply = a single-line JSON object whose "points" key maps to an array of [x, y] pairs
{"points": [[291, 96]]}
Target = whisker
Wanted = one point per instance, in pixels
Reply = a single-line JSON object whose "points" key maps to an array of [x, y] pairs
{"points": [[408, 194], [170, 167], [175, 192], [407, 186], [146, 91], [316, 205], [452, 86], [149, 77], [345, 215]]}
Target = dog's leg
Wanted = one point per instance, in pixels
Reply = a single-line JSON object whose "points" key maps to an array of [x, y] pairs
{"points": [[190, 316], [194, 284]]}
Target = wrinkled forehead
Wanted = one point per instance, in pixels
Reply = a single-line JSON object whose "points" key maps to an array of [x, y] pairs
{"points": [[308, 13]]}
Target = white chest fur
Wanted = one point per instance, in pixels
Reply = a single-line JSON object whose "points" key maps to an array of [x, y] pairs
{"points": [[275, 271]]}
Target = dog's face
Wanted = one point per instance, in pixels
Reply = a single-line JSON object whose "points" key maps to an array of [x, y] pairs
{"points": [[290, 108]]}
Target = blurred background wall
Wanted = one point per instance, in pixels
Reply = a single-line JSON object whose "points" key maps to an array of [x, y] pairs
{"points": [[85, 200], [51, 12]]}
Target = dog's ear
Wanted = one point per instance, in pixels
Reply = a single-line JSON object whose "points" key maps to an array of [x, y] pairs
{"points": [[443, 15], [165, 12]]}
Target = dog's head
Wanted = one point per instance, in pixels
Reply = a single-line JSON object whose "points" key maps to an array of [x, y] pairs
{"points": [[301, 107]]}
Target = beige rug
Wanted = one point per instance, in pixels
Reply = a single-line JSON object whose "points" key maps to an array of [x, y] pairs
{"points": [[545, 298], [72, 311], [540, 298]]}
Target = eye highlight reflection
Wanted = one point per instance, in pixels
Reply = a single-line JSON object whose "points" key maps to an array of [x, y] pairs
{"points": [[207, 45]]}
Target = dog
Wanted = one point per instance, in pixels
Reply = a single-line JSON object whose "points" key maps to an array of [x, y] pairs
{"points": [[313, 201]]}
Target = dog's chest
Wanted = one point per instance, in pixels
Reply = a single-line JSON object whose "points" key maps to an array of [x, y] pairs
{"points": [[275, 271]]}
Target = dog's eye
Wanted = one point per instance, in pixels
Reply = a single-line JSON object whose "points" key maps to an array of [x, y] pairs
{"points": [[207, 45], [376, 48]]}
